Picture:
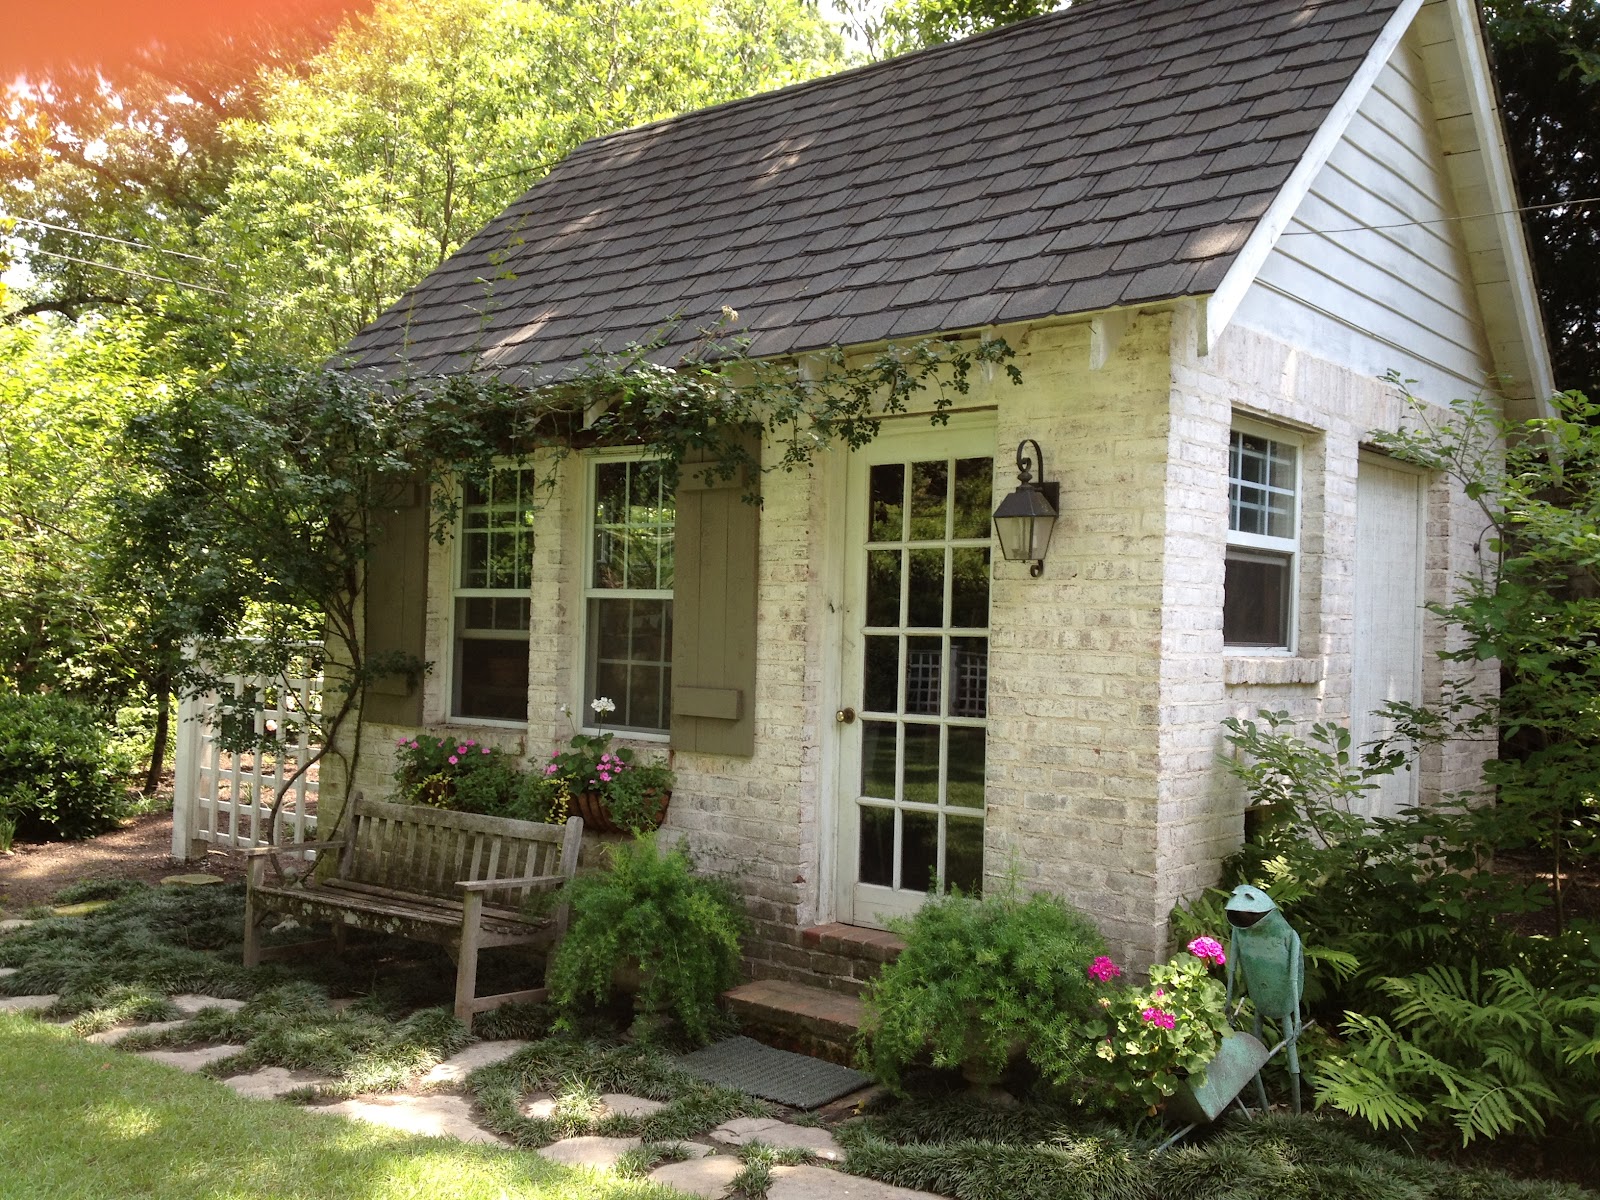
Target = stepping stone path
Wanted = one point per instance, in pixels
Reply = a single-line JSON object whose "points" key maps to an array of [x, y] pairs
{"points": [[707, 1177], [26, 1003], [600, 1153], [430, 1116], [195, 879], [455, 1070], [110, 1037], [271, 1082], [80, 910], [11, 923], [780, 1135], [191, 1005], [191, 1060], [819, 1183], [6, 971], [619, 1105]]}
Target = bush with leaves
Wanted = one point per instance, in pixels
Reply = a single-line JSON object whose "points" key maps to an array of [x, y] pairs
{"points": [[650, 911], [980, 980], [59, 776]]}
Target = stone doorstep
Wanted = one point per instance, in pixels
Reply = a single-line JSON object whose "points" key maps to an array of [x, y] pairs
{"points": [[854, 941], [811, 1019]]}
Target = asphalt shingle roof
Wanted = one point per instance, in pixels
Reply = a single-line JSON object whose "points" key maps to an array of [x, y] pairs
{"points": [[1118, 152]]}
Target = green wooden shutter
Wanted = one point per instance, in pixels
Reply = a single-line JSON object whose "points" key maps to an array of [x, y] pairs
{"points": [[716, 546], [397, 605]]}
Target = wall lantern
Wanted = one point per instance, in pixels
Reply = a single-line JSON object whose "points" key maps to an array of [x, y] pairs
{"points": [[1026, 518]]}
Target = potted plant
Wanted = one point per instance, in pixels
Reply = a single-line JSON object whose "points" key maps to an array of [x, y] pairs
{"points": [[610, 789], [649, 916], [457, 773]]}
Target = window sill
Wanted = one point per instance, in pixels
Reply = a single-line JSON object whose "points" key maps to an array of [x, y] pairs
{"points": [[1279, 669]]}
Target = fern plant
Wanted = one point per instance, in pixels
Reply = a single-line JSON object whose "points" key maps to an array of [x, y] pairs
{"points": [[1489, 1052]]}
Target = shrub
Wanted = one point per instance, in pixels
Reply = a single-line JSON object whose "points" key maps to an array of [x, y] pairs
{"points": [[682, 931], [58, 775], [979, 980]]}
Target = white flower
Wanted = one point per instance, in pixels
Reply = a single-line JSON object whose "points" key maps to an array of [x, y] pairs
{"points": [[602, 705], [566, 710]]}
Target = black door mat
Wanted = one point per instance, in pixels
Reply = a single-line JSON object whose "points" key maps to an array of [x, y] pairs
{"points": [[776, 1075]]}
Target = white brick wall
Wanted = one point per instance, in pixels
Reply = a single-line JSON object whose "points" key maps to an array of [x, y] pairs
{"points": [[1108, 680]]}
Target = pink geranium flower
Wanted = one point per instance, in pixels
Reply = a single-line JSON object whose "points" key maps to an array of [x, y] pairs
{"points": [[1103, 969], [453, 760], [1156, 1016], [1209, 949]]}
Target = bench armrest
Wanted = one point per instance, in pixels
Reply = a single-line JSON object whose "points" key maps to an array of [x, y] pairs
{"points": [[258, 851], [534, 883]]}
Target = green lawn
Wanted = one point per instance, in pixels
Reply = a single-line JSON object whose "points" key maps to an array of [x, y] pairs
{"points": [[82, 1122]]}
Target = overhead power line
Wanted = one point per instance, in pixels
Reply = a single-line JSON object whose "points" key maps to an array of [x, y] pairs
{"points": [[103, 237], [1504, 212], [89, 262]]}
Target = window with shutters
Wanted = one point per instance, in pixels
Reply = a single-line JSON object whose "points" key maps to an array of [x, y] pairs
{"points": [[628, 594], [1263, 540], [489, 600]]}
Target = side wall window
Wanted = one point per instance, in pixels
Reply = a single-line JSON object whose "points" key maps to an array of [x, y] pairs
{"points": [[490, 604], [1263, 541], [628, 600]]}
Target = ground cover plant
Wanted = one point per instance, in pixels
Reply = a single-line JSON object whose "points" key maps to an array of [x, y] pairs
{"points": [[95, 1124]]}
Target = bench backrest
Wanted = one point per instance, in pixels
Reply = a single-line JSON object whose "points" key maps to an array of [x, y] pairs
{"points": [[427, 851]]}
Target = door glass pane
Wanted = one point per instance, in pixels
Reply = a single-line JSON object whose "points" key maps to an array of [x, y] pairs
{"points": [[922, 765], [924, 678], [964, 788], [494, 678], [974, 498], [877, 846], [969, 677], [930, 486], [877, 759], [882, 684], [969, 588], [883, 588], [886, 503], [919, 850], [963, 855], [925, 596]]}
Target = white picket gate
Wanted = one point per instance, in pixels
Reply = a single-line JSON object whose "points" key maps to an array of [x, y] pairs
{"points": [[223, 795]]}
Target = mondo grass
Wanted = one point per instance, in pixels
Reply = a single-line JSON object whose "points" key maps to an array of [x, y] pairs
{"points": [[576, 1072], [931, 1147], [86, 1123]]}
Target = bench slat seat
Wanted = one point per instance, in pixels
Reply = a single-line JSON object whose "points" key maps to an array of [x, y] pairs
{"points": [[453, 879]]}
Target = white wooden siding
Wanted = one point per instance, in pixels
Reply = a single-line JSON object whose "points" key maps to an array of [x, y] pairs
{"points": [[1397, 292]]}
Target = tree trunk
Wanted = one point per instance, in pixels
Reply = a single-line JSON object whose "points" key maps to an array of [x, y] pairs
{"points": [[158, 740]]}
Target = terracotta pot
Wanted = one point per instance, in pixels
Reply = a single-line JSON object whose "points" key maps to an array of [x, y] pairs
{"points": [[591, 806]]}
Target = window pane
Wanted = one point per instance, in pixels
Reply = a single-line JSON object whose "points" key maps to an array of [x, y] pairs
{"points": [[925, 595], [886, 503], [921, 785], [1255, 605], [924, 677], [930, 488], [883, 588], [494, 678], [881, 685], [1261, 482], [877, 846], [969, 677], [974, 498], [965, 768], [963, 855], [630, 660], [969, 588], [919, 850], [877, 759], [610, 492]]}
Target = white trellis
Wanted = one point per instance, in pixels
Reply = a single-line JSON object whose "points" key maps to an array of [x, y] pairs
{"points": [[236, 746]]}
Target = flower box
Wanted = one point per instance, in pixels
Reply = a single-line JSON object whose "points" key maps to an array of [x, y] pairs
{"points": [[591, 806]]}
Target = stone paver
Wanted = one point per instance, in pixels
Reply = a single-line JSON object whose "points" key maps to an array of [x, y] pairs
{"points": [[191, 1060], [26, 1003], [601, 1153], [193, 879], [431, 1116], [80, 910], [779, 1134], [692, 1149], [479, 1054], [539, 1108], [7, 971], [819, 1183], [110, 1037], [189, 1004], [708, 1177], [271, 1082], [619, 1104], [11, 923]]}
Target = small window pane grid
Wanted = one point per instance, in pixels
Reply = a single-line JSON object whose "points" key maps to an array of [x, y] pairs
{"points": [[1258, 589], [925, 666], [491, 608], [628, 656]]}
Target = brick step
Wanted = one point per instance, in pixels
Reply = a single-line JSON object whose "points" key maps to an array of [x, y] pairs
{"points": [[842, 958], [795, 1016]]}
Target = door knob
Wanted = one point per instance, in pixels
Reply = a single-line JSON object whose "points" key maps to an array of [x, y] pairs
{"points": [[845, 716]]}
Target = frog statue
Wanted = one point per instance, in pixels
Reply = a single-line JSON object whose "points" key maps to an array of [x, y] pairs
{"points": [[1265, 957]]}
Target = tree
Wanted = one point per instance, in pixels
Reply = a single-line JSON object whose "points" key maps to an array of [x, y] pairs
{"points": [[417, 125], [891, 27], [1547, 62]]}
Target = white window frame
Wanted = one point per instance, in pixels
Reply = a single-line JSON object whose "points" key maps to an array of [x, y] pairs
{"points": [[581, 708], [460, 592], [1284, 548]]}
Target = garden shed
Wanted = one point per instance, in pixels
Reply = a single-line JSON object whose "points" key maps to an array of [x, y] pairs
{"points": [[1207, 231]]}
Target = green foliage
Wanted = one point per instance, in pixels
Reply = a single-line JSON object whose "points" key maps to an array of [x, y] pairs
{"points": [[58, 777], [630, 791], [1148, 1038], [649, 909], [459, 774], [980, 980], [901, 26], [1489, 1052]]}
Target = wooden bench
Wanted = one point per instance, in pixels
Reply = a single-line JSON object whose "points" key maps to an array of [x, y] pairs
{"points": [[455, 879]]}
